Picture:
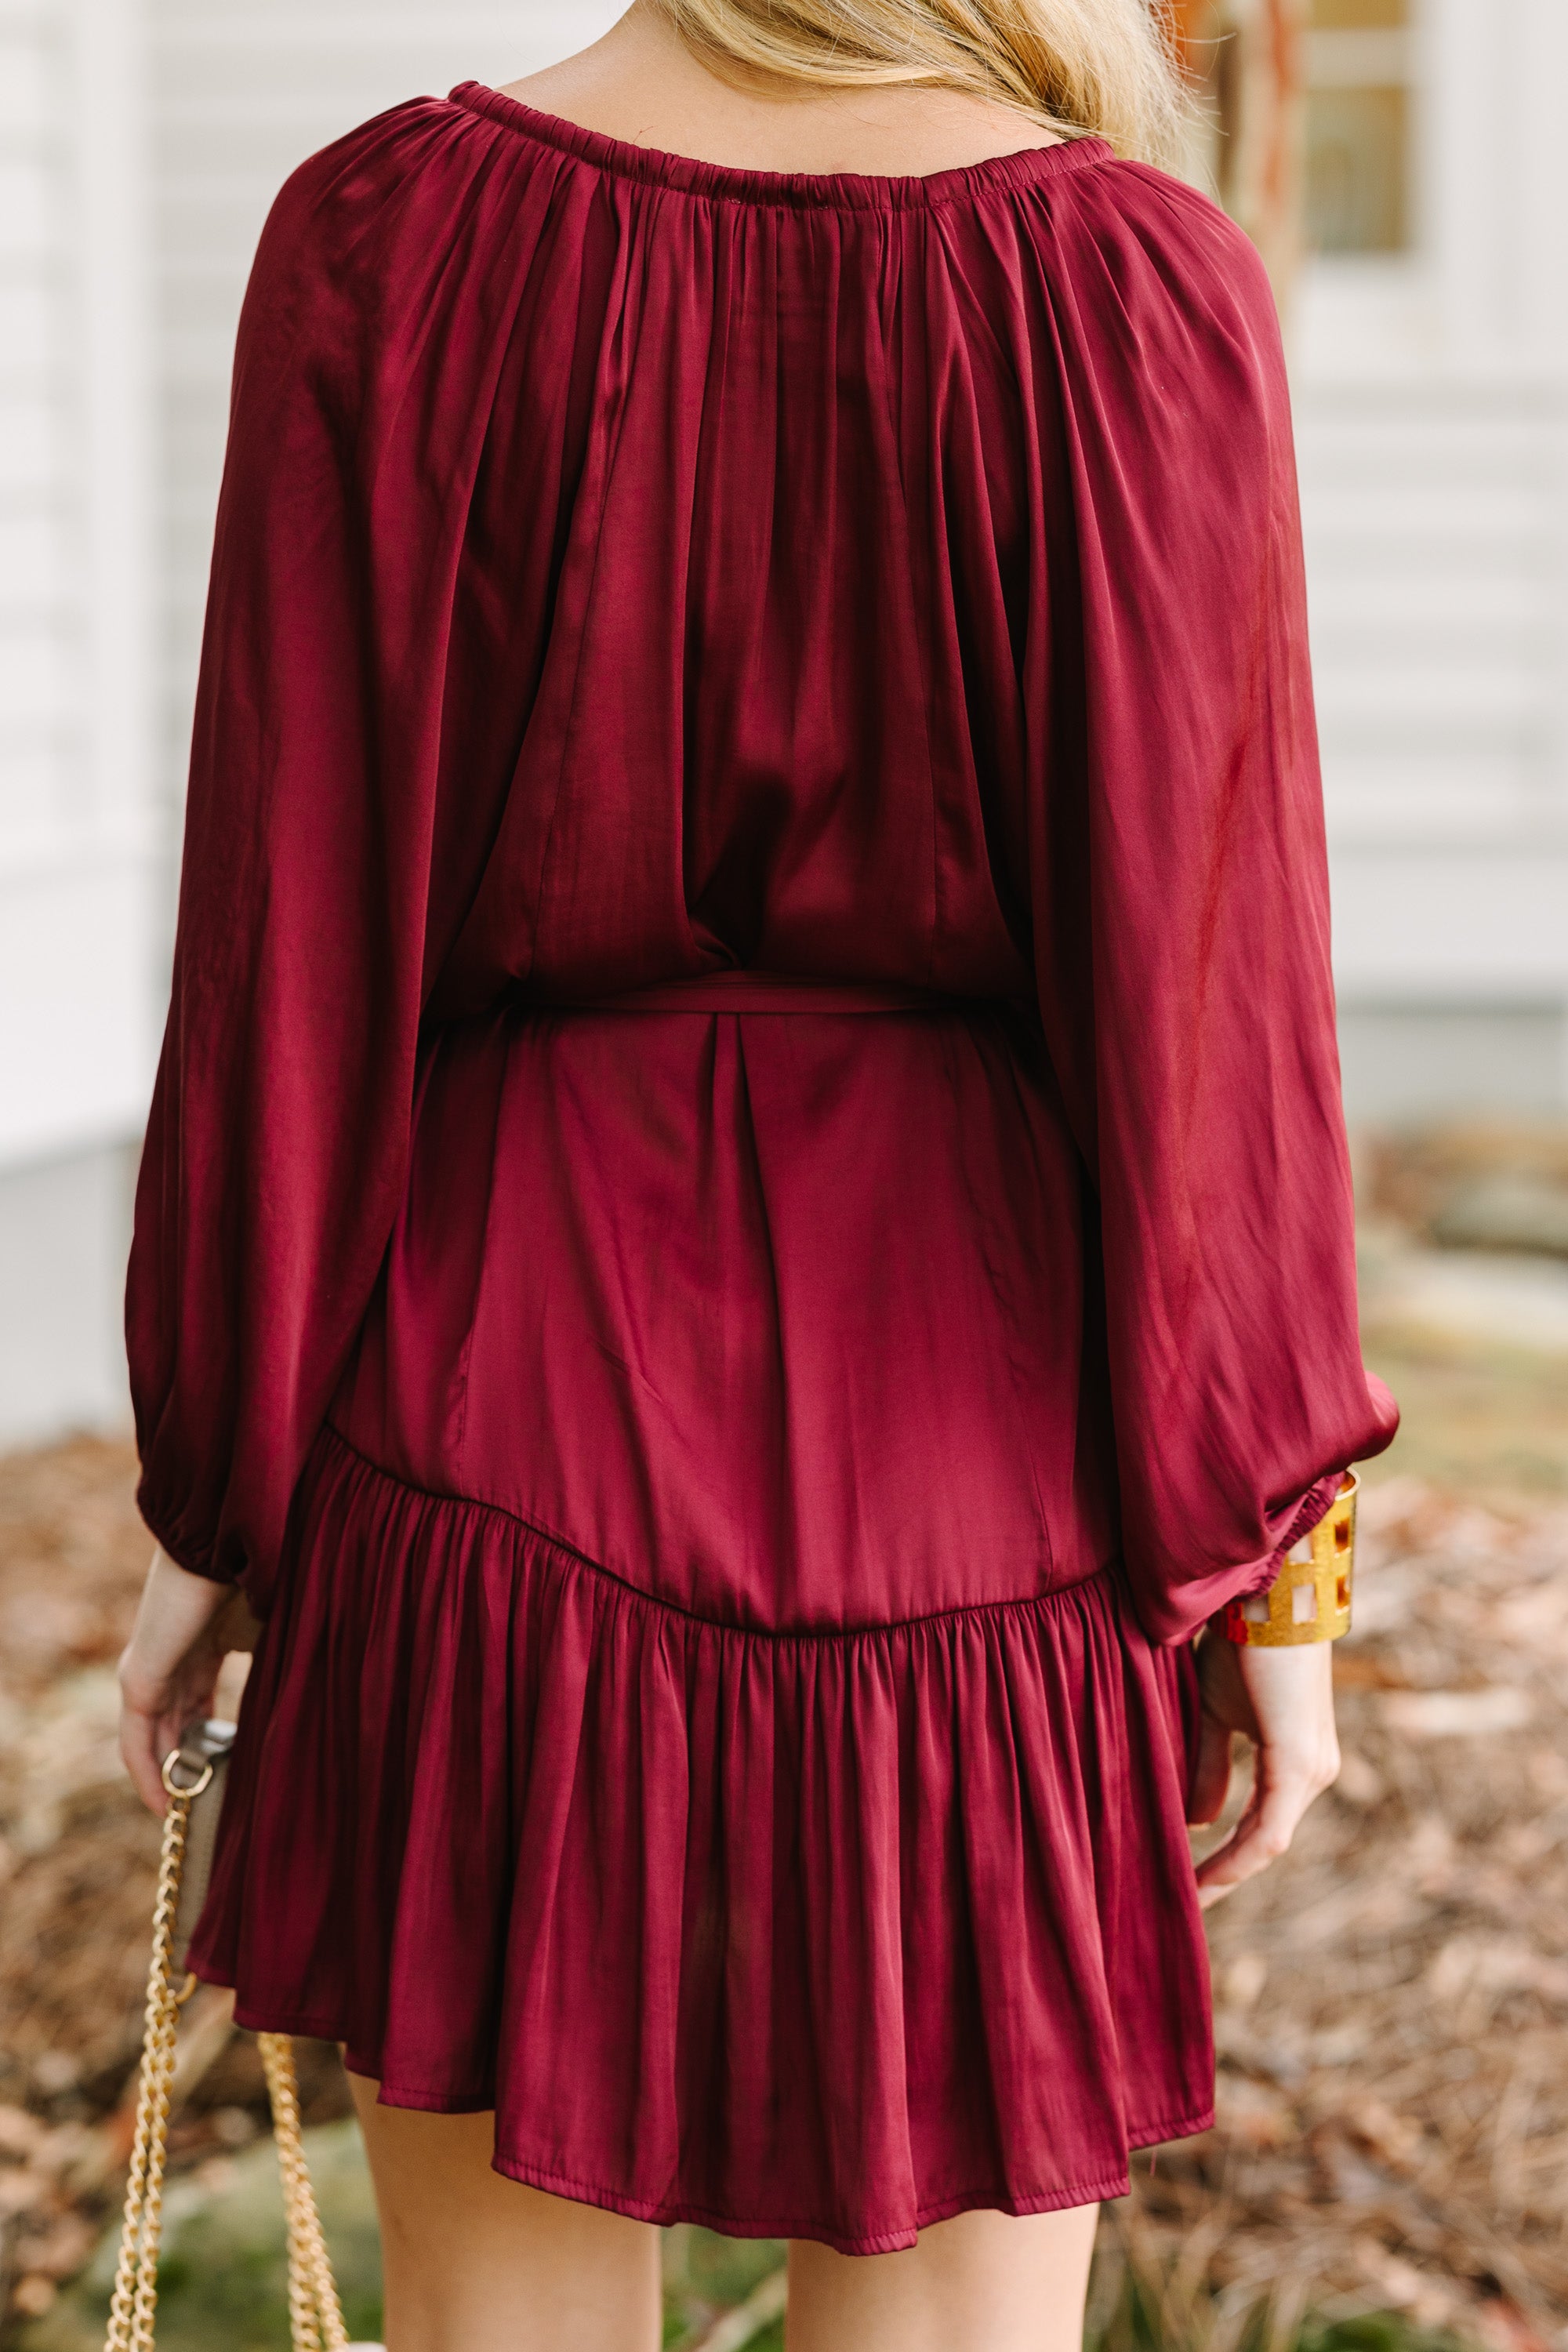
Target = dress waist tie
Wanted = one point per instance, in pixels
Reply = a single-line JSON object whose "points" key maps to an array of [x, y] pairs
{"points": [[767, 991]]}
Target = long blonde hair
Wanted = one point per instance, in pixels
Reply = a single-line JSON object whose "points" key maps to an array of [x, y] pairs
{"points": [[1074, 65]]}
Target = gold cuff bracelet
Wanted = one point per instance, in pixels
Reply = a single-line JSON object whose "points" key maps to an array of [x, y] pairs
{"points": [[1309, 1599]]}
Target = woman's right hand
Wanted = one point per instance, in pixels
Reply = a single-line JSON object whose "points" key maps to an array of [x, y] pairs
{"points": [[1283, 1701], [186, 1626]]}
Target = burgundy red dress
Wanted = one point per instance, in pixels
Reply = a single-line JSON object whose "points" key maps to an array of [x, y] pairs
{"points": [[745, 1223]]}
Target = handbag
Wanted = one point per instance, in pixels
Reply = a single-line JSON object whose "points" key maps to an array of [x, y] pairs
{"points": [[193, 1776]]}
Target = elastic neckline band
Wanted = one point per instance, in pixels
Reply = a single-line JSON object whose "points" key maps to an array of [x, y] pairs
{"points": [[739, 183]]}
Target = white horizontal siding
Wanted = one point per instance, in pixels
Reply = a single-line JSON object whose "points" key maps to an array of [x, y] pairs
{"points": [[1432, 427], [1448, 924], [77, 889], [77, 947], [1438, 579], [40, 618]]}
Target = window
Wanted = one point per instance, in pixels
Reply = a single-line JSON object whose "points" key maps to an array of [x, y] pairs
{"points": [[1357, 126]]}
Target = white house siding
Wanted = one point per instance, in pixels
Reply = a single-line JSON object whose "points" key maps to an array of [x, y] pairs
{"points": [[1436, 543], [1431, 402], [80, 871]]}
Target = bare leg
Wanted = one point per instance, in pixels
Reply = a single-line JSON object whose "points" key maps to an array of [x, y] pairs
{"points": [[474, 2263], [983, 2281]]}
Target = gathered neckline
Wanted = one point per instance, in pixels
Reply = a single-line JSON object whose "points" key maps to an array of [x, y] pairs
{"points": [[741, 184]]}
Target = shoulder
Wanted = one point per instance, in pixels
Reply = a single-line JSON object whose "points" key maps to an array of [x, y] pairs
{"points": [[406, 174], [1155, 243], [1143, 268], [389, 224]]}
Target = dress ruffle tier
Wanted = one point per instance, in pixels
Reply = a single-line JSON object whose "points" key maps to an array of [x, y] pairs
{"points": [[827, 1935]]}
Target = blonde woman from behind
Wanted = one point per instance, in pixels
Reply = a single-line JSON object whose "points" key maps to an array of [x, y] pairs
{"points": [[744, 1245]]}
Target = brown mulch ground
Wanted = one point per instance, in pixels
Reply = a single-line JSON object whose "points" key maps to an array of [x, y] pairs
{"points": [[1392, 1999]]}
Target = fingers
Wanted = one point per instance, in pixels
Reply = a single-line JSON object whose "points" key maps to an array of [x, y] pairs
{"points": [[169, 1669], [1284, 1698], [1252, 1845], [154, 1715], [143, 1747], [1273, 1814], [1211, 1773], [1222, 1682], [236, 1627]]}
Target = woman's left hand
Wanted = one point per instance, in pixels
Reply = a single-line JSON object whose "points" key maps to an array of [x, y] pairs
{"points": [[186, 1626], [1283, 1701]]}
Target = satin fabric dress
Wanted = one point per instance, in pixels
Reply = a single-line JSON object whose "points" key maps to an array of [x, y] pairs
{"points": [[746, 1224]]}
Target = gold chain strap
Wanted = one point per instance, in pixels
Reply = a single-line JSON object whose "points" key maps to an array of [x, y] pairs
{"points": [[136, 2274], [314, 2312], [315, 2315]]}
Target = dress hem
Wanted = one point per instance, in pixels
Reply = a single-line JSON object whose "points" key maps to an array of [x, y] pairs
{"points": [[663, 2214]]}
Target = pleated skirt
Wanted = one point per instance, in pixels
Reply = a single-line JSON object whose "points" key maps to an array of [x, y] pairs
{"points": [[824, 1937]]}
